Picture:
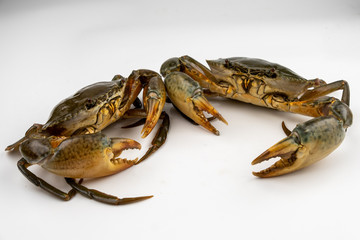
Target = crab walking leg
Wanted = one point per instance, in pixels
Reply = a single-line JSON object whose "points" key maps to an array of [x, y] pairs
{"points": [[329, 88], [159, 138], [23, 165], [102, 197], [187, 95], [81, 156]]}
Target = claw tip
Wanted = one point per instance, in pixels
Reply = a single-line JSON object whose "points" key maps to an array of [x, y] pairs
{"points": [[261, 157]]}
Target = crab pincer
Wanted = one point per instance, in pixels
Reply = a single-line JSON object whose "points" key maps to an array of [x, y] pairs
{"points": [[80, 156], [308, 143], [154, 97], [187, 95]]}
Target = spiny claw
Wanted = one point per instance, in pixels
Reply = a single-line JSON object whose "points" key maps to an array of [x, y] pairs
{"points": [[187, 95], [308, 143]]}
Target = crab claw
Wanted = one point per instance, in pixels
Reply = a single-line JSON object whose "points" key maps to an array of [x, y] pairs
{"points": [[308, 143], [154, 101], [286, 149], [118, 145], [84, 156], [187, 95], [201, 105]]}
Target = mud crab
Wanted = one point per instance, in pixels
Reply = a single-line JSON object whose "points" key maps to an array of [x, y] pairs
{"points": [[270, 85], [70, 143]]}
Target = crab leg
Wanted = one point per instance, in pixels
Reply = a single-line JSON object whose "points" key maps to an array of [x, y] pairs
{"points": [[187, 95], [159, 138], [23, 165], [329, 88], [102, 197]]}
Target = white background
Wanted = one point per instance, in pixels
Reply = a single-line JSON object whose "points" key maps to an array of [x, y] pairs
{"points": [[202, 184]]}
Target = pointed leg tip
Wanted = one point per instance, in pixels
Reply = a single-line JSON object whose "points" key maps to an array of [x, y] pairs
{"points": [[133, 200], [143, 198], [148, 197]]}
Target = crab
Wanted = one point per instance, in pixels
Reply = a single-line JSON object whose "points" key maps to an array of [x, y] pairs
{"points": [[71, 144], [269, 85]]}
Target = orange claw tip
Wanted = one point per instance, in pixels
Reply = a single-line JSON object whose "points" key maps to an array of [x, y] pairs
{"points": [[286, 149], [125, 143], [153, 110], [120, 144], [221, 118], [283, 149], [202, 105], [258, 174], [262, 157], [265, 174]]}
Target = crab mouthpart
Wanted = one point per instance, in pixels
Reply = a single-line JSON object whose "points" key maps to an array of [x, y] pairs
{"points": [[287, 150]]}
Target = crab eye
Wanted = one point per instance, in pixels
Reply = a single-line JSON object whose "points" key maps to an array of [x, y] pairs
{"points": [[272, 73], [90, 103], [228, 64]]}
